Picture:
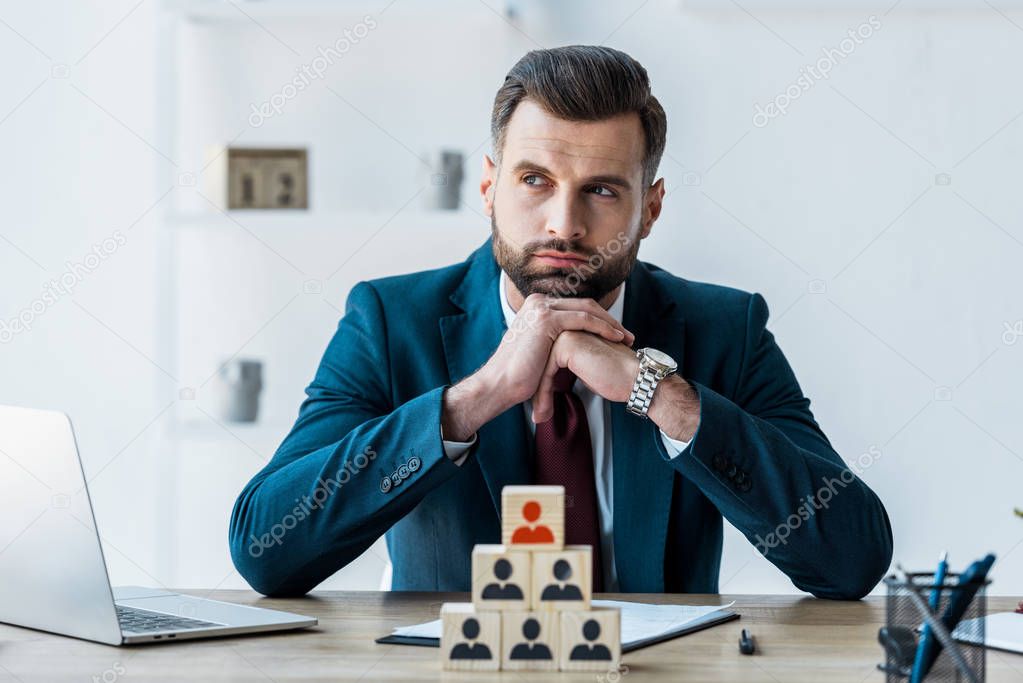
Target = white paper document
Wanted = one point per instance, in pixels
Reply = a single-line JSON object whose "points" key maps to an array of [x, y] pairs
{"points": [[640, 622], [1002, 631]]}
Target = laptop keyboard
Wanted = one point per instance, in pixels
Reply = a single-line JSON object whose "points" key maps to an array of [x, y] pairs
{"points": [[143, 621]]}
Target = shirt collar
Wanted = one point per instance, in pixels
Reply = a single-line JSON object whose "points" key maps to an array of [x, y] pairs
{"points": [[616, 310]]}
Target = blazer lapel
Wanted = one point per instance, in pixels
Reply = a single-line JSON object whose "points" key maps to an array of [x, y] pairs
{"points": [[643, 481], [469, 338]]}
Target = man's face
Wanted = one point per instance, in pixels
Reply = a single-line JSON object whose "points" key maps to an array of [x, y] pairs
{"points": [[567, 204]]}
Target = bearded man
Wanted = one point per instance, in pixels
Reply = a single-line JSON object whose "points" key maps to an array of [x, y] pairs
{"points": [[552, 355]]}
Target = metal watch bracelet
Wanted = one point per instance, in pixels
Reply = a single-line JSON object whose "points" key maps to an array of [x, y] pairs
{"points": [[643, 388]]}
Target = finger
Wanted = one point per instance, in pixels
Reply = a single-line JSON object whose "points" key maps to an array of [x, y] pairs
{"points": [[543, 398], [587, 322], [590, 306]]}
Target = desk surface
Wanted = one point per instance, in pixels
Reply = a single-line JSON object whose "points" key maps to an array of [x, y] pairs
{"points": [[798, 639]]}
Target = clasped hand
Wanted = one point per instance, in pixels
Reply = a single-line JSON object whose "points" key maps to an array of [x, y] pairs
{"points": [[550, 333]]}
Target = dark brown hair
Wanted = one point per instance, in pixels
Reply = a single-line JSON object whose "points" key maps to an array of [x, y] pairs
{"points": [[583, 83]]}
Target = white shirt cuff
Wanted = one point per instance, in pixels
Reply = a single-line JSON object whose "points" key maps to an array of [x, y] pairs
{"points": [[674, 446], [458, 451]]}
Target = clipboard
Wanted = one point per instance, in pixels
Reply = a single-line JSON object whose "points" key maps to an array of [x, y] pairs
{"points": [[712, 619]]}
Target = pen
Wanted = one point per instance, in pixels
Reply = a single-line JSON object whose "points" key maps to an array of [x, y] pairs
{"points": [[926, 636], [747, 645]]}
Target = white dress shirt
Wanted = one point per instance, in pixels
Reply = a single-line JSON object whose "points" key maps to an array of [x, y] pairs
{"points": [[598, 418]]}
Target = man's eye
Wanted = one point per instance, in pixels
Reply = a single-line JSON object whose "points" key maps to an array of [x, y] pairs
{"points": [[602, 191], [532, 179]]}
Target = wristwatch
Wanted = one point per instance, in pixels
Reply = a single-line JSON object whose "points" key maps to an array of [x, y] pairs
{"points": [[654, 366]]}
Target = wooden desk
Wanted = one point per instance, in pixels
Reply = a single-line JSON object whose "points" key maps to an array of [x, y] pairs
{"points": [[798, 639]]}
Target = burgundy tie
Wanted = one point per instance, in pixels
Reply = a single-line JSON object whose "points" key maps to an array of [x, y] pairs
{"points": [[564, 456]]}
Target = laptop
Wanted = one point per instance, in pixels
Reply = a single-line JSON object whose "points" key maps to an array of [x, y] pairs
{"points": [[53, 576]]}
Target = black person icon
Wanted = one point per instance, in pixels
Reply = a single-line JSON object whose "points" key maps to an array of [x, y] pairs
{"points": [[530, 649], [502, 590], [561, 590], [590, 650], [470, 650]]}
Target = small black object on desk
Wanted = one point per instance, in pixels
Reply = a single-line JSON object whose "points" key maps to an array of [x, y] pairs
{"points": [[899, 643], [747, 646]]}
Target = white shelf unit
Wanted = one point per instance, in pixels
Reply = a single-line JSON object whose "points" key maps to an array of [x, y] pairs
{"points": [[272, 284]]}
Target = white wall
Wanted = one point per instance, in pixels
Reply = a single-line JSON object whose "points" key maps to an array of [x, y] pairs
{"points": [[78, 113], [918, 277]]}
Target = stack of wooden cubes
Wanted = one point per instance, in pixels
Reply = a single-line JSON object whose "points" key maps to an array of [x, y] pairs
{"points": [[530, 606]]}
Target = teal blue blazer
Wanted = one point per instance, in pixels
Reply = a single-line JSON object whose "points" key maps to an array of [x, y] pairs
{"points": [[365, 458]]}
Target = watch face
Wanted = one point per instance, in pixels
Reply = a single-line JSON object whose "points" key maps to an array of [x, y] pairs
{"points": [[660, 358]]}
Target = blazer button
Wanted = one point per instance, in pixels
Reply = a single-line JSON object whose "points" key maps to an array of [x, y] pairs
{"points": [[719, 463], [385, 484], [746, 485], [414, 463], [732, 469], [395, 479], [403, 472], [740, 477]]}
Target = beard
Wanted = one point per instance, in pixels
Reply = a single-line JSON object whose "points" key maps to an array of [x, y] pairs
{"points": [[600, 274]]}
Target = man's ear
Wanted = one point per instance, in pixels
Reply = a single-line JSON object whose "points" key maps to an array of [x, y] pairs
{"points": [[488, 184], [653, 201]]}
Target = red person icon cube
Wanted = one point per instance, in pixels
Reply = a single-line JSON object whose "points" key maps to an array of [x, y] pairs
{"points": [[533, 517]]}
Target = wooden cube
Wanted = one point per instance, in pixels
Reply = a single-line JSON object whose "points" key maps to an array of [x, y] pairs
{"points": [[563, 579], [500, 579], [530, 641], [591, 640], [470, 640], [533, 517]]}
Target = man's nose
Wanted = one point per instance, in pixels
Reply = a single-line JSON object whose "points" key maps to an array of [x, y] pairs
{"points": [[565, 220]]}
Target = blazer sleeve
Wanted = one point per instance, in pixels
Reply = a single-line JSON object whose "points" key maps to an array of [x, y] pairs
{"points": [[351, 467], [763, 461]]}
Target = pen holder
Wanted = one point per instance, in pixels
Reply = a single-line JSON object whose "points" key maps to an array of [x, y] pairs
{"points": [[905, 619]]}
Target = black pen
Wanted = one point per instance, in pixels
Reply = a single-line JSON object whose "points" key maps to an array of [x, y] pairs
{"points": [[746, 644]]}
